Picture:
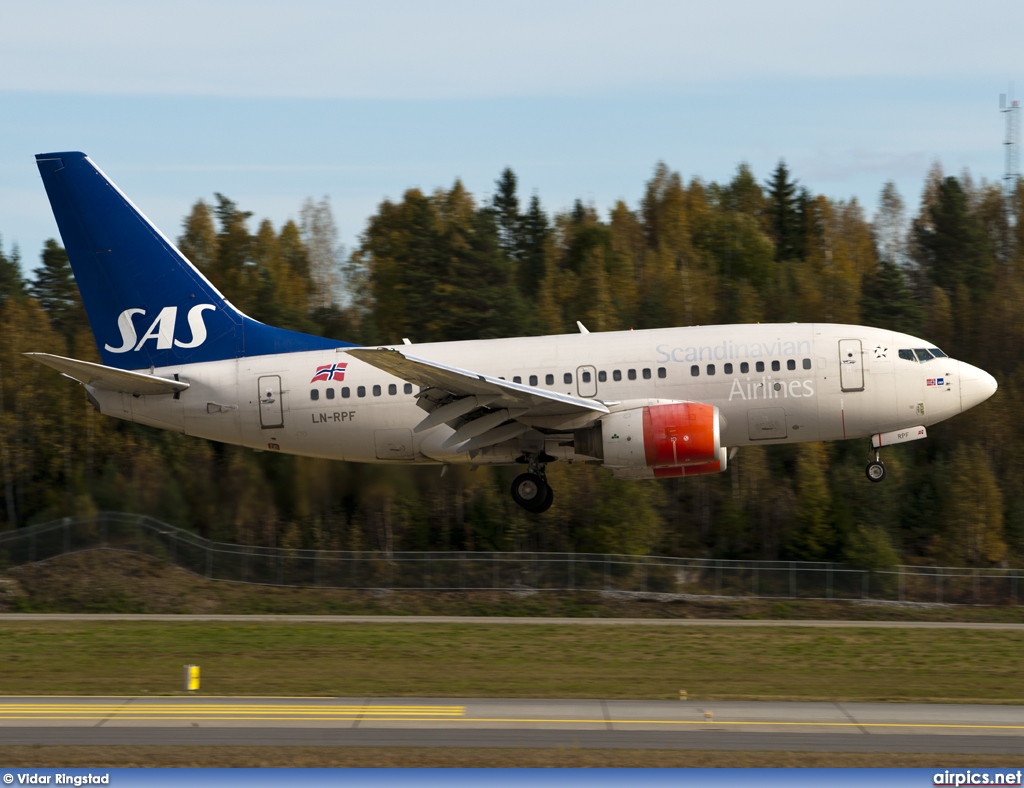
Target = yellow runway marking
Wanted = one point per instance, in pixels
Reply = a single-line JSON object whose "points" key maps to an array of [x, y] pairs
{"points": [[395, 713]]}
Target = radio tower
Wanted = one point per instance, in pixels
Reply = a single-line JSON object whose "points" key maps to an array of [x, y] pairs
{"points": [[1012, 144]]}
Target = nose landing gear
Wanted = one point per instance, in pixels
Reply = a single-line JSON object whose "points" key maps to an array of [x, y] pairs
{"points": [[875, 470]]}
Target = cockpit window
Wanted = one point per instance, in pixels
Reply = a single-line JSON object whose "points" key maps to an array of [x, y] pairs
{"points": [[908, 355], [937, 353], [923, 355]]}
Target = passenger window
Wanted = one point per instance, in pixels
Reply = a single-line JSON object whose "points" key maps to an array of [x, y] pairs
{"points": [[533, 380], [376, 391], [407, 388], [586, 376], [314, 395], [711, 369], [549, 379], [647, 374], [516, 379], [361, 391], [392, 389], [744, 367], [602, 376], [695, 370], [776, 366], [662, 372], [727, 369], [617, 375], [567, 377], [923, 355], [329, 393], [631, 374], [807, 363], [345, 392], [759, 366], [791, 364], [908, 355]]}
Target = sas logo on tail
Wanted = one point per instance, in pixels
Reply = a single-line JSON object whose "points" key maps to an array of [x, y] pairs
{"points": [[330, 372], [161, 329]]}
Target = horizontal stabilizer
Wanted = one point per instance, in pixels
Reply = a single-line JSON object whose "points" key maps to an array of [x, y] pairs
{"points": [[98, 376]]}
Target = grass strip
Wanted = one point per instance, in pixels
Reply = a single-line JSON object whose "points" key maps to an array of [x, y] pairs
{"points": [[463, 660]]}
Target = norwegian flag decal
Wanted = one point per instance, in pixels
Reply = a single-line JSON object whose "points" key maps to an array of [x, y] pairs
{"points": [[330, 372]]}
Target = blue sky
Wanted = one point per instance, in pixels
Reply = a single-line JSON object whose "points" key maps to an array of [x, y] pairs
{"points": [[273, 102]]}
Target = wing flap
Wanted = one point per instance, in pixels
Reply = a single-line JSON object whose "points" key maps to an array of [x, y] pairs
{"points": [[98, 376]]}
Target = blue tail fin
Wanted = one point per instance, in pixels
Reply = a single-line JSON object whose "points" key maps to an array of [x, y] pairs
{"points": [[147, 304]]}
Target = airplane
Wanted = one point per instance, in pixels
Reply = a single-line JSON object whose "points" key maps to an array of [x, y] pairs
{"points": [[646, 404]]}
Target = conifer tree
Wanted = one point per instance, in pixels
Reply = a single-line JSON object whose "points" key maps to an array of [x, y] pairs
{"points": [[784, 215], [55, 290]]}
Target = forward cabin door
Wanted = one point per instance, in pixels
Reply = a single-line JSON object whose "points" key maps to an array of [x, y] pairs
{"points": [[271, 409], [851, 365]]}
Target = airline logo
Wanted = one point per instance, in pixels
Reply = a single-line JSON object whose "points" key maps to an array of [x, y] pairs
{"points": [[936, 381], [162, 329], [330, 372]]}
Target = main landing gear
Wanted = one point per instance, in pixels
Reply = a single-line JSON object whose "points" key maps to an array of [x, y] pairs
{"points": [[531, 490], [875, 470]]}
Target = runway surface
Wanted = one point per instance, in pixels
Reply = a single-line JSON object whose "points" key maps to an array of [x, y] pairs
{"points": [[510, 620], [477, 722]]}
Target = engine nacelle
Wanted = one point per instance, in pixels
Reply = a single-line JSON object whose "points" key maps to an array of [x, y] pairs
{"points": [[674, 473], [668, 435]]}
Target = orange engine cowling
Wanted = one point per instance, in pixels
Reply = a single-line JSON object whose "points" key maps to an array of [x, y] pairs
{"points": [[681, 434], [667, 435]]}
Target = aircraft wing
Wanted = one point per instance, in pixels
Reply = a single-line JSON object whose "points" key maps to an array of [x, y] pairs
{"points": [[108, 378], [463, 394]]}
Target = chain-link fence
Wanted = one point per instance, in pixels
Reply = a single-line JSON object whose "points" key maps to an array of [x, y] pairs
{"points": [[463, 571]]}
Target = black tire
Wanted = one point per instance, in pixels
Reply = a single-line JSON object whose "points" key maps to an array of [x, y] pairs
{"points": [[548, 500], [875, 471], [531, 492]]}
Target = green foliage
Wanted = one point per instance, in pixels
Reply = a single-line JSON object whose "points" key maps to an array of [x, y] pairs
{"points": [[440, 266]]}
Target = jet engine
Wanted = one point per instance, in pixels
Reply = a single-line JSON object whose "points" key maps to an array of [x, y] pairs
{"points": [[670, 439]]}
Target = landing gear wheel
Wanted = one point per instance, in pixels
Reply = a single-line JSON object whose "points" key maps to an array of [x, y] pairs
{"points": [[875, 471], [548, 500], [532, 492]]}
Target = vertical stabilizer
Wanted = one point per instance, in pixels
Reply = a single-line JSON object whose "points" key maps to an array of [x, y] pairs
{"points": [[147, 304]]}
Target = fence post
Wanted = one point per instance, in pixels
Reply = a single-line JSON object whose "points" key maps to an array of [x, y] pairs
{"points": [[494, 564], [829, 583], [718, 577], [607, 579], [902, 582], [866, 591], [209, 560], [792, 581], [572, 571], [757, 569], [977, 587]]}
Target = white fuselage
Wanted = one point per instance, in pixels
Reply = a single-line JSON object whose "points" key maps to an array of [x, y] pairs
{"points": [[783, 383]]}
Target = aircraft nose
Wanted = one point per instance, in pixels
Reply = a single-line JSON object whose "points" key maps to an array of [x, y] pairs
{"points": [[976, 386]]}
